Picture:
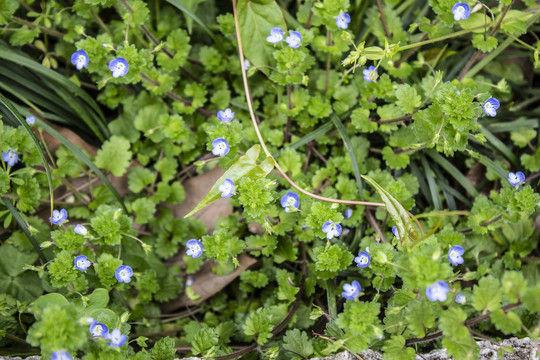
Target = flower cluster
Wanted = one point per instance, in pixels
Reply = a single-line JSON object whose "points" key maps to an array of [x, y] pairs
{"points": [[99, 330], [276, 36], [118, 66], [194, 248]]}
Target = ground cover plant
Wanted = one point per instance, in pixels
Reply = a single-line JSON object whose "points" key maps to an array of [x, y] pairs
{"points": [[381, 158]]}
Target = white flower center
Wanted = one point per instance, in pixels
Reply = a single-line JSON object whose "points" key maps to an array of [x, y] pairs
{"points": [[363, 260], [123, 273], [81, 59], [460, 11], [98, 330], [80, 263]]}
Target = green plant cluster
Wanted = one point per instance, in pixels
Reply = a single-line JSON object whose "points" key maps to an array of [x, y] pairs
{"points": [[388, 114]]}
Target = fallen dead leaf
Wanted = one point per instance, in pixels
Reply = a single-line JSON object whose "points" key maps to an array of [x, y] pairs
{"points": [[207, 284]]}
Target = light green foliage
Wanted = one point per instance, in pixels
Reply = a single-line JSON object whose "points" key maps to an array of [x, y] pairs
{"points": [[407, 98], [330, 259], [145, 209], [298, 342], [114, 156], [487, 295], [286, 288], [484, 44], [361, 122], [105, 268], [393, 160], [222, 246], [483, 210], [507, 322], [138, 178], [530, 298], [291, 162], [14, 279], [255, 196], [7, 9], [204, 341], [63, 322], [147, 285], [521, 138], [393, 349], [62, 270], [359, 320], [28, 194], [531, 162], [253, 279], [322, 212], [420, 316], [67, 240], [109, 223], [164, 349], [259, 323]]}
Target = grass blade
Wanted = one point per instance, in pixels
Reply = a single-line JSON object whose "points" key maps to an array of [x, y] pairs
{"points": [[84, 159], [433, 189], [453, 171], [500, 146], [8, 108], [348, 146], [24, 228]]}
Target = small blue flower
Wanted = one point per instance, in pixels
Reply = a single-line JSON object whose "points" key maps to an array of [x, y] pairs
{"points": [[80, 229], [190, 280], [276, 36], [225, 115], [370, 74], [294, 39], [124, 273], [515, 179], [247, 64], [80, 59], [82, 263], [490, 107], [460, 299], [331, 229], [60, 355], [437, 291], [348, 213], [455, 255], [351, 291], [58, 217], [461, 11], [290, 201], [117, 339], [99, 330], [343, 20], [363, 259], [119, 67], [30, 120], [195, 248], [227, 188], [221, 147], [10, 157], [395, 232]]}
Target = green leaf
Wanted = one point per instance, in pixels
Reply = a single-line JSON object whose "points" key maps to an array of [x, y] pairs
{"points": [[514, 285], [487, 295], [450, 323], [23, 36], [486, 45], [515, 22], [246, 165], [259, 323], [398, 213], [476, 20], [360, 121], [299, 342], [530, 298], [204, 340], [114, 155], [140, 13], [463, 349], [164, 349], [393, 160], [508, 323], [138, 178], [420, 316], [531, 162], [255, 21], [22, 284], [145, 209], [393, 349], [7, 9], [407, 98]]}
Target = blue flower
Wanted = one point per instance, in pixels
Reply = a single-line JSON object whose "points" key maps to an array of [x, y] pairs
{"points": [[30, 120], [80, 229], [195, 248], [290, 201], [124, 273], [343, 20], [221, 147], [227, 188], [247, 64], [351, 291], [455, 255], [348, 213], [10, 157], [117, 339], [370, 74], [331, 229], [82, 263], [516, 178], [363, 259], [80, 59], [119, 67], [60, 355], [490, 107], [294, 39], [190, 280], [395, 232], [461, 11], [58, 217], [460, 299], [225, 115], [99, 330], [276, 36], [437, 291]]}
